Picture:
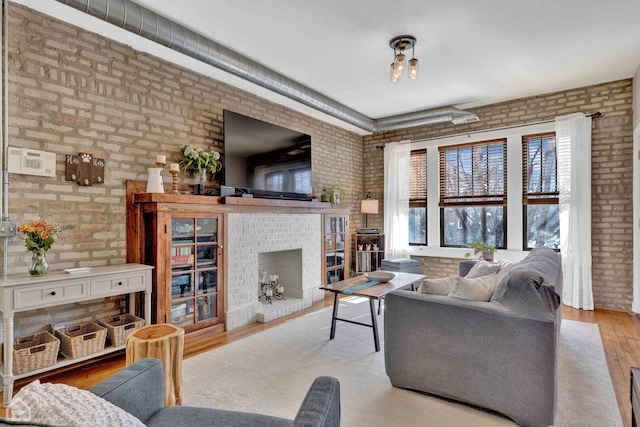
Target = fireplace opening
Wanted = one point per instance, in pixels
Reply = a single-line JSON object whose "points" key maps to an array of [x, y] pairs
{"points": [[279, 286]]}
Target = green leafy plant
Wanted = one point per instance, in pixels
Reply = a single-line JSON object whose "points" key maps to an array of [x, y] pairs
{"points": [[334, 195], [480, 247], [195, 157]]}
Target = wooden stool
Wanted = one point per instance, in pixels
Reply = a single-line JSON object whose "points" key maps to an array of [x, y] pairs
{"points": [[164, 342]]}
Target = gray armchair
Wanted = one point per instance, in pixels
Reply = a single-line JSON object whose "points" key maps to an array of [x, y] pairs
{"points": [[321, 406], [139, 390]]}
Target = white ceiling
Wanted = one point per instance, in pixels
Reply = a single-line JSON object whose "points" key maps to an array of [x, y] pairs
{"points": [[471, 52]]}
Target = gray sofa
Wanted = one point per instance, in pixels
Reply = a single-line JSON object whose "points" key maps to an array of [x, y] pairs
{"points": [[139, 390], [499, 355]]}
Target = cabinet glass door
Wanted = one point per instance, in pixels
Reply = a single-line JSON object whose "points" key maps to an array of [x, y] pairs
{"points": [[194, 270], [334, 248]]}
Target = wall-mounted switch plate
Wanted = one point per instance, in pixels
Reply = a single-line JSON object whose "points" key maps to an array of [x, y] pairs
{"points": [[8, 229]]}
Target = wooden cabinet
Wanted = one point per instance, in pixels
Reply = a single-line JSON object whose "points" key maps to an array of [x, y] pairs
{"points": [[193, 291], [182, 236], [186, 249], [336, 248], [369, 252]]}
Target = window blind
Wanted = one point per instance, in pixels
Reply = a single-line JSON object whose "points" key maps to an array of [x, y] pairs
{"points": [[301, 180], [539, 169], [418, 179], [473, 174]]}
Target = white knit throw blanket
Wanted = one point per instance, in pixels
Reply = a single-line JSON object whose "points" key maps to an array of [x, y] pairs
{"points": [[63, 405]]}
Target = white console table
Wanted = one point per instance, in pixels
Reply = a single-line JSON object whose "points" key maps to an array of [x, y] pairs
{"points": [[24, 293]]}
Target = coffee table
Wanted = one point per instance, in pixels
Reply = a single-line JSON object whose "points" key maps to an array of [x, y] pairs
{"points": [[375, 292]]}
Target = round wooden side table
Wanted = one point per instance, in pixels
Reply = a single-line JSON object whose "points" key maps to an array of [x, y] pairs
{"points": [[164, 342]]}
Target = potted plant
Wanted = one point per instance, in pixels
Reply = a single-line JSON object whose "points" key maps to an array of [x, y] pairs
{"points": [[486, 249], [38, 238], [334, 195], [197, 159]]}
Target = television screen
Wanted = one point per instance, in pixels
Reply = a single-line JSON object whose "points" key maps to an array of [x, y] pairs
{"points": [[262, 157]]}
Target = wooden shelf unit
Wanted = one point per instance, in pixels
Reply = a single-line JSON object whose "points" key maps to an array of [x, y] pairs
{"points": [[369, 259]]}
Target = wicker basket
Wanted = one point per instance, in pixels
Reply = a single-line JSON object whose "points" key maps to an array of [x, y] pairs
{"points": [[82, 339], [120, 327], [34, 352]]}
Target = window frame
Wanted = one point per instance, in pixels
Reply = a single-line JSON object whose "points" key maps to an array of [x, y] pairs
{"points": [[474, 198], [514, 135], [540, 197]]}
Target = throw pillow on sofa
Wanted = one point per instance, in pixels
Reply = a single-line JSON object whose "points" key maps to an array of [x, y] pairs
{"points": [[505, 267], [437, 286], [482, 268], [475, 289], [64, 405]]}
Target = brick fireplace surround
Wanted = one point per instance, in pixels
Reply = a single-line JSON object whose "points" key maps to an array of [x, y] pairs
{"points": [[251, 234]]}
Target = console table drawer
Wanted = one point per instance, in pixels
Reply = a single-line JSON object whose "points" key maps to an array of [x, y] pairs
{"points": [[118, 284], [58, 293]]}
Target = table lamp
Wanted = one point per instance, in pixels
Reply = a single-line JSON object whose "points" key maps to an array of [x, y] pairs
{"points": [[368, 206]]}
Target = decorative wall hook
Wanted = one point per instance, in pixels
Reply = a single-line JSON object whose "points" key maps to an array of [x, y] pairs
{"points": [[84, 169]]}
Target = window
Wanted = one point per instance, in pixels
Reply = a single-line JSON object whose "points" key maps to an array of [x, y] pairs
{"points": [[418, 198], [540, 191], [473, 193]]}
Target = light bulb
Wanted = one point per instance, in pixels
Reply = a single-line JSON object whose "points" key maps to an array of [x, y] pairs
{"points": [[413, 68], [393, 74], [401, 63]]}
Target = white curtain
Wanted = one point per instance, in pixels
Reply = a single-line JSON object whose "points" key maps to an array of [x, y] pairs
{"points": [[396, 199], [573, 145]]}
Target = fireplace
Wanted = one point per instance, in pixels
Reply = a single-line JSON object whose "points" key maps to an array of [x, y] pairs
{"points": [[287, 265], [287, 245]]}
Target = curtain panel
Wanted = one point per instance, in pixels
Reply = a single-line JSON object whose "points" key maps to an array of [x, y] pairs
{"points": [[573, 145], [397, 166]]}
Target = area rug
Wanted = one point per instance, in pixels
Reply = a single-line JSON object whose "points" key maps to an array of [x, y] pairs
{"points": [[270, 373]]}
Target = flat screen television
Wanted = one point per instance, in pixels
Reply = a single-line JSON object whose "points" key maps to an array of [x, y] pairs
{"points": [[264, 159]]}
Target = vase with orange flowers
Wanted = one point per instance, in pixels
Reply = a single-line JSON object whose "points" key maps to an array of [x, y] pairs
{"points": [[38, 237]]}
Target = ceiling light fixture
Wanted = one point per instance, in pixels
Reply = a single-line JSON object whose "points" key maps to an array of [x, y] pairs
{"points": [[399, 65]]}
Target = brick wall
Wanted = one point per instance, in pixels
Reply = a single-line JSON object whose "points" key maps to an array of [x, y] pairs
{"points": [[72, 91], [612, 170]]}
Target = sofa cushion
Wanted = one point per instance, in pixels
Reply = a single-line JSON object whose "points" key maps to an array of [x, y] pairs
{"points": [[440, 286], [64, 405], [475, 289], [482, 268]]}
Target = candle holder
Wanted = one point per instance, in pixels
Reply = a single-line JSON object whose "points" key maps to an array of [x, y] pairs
{"points": [[161, 165], [271, 290], [174, 175]]}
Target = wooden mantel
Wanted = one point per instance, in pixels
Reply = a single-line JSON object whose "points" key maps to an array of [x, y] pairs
{"points": [[136, 194]]}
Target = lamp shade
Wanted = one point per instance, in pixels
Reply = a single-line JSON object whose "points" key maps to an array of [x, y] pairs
{"points": [[369, 206]]}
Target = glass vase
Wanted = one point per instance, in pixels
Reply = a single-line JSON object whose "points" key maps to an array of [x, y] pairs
{"points": [[202, 178], [39, 265]]}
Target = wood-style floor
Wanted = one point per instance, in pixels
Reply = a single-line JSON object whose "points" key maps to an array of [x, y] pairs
{"points": [[620, 333]]}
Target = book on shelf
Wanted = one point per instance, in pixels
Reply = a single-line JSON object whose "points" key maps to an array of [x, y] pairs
{"points": [[181, 256]]}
